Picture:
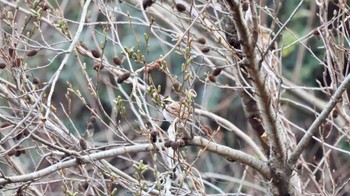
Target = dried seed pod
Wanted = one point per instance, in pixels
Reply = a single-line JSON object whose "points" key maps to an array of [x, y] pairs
{"points": [[11, 52], [19, 136], [167, 143], [216, 71], [117, 61], [18, 153], [2, 65], [32, 53], [212, 78], [147, 3], [123, 77], [98, 67], [5, 124], [93, 119], [36, 80], [154, 135], [299, 166], [25, 132], [201, 40], [82, 144], [335, 114], [180, 7], [95, 53], [205, 49], [90, 125], [245, 6], [153, 139], [176, 87]]}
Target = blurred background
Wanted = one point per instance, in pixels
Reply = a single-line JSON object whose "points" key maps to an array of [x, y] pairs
{"points": [[90, 103]]}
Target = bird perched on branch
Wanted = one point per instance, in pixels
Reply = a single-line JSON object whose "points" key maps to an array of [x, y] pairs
{"points": [[179, 114], [175, 109]]}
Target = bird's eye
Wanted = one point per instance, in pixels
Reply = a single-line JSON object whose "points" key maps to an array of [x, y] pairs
{"points": [[167, 100]]}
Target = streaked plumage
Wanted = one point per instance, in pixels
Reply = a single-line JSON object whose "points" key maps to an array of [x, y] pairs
{"points": [[173, 110]]}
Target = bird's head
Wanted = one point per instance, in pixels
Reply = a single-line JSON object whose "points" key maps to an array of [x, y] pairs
{"points": [[167, 100]]}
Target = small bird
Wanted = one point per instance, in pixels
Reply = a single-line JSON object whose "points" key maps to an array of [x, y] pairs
{"points": [[175, 110], [180, 117]]}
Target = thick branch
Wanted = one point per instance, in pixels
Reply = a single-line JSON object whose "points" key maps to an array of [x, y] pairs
{"points": [[250, 106], [81, 160], [241, 157], [262, 96], [233, 154], [280, 172]]}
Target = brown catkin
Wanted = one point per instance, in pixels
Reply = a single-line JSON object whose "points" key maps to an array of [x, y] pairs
{"points": [[5, 124], [123, 77], [2, 65], [176, 87], [154, 133], [19, 136], [147, 3], [93, 119], [82, 144], [36, 80], [205, 49], [95, 53], [11, 52], [212, 78], [180, 7], [245, 6], [216, 71], [32, 53], [201, 40], [90, 125], [117, 61]]}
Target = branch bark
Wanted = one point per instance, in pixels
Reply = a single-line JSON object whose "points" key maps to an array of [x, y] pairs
{"points": [[272, 124], [222, 150]]}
